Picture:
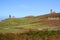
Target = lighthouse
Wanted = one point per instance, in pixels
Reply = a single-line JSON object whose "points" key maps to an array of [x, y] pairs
{"points": [[52, 15], [9, 16]]}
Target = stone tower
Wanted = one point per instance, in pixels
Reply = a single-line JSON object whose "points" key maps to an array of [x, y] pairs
{"points": [[9, 16], [51, 11]]}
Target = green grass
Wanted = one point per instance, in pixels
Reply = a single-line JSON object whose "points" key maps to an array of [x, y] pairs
{"points": [[11, 31], [25, 23], [18, 21]]}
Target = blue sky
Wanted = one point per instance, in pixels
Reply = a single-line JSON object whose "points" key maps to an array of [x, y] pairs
{"points": [[22, 8]]}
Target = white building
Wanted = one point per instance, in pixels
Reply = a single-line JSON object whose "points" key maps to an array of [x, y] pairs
{"points": [[52, 16]]}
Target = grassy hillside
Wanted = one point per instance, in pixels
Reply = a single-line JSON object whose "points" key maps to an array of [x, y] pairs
{"points": [[18, 21], [29, 22]]}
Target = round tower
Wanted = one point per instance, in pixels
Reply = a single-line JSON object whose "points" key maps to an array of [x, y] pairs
{"points": [[51, 10], [9, 16]]}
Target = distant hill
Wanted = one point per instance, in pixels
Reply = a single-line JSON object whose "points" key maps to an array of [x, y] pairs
{"points": [[41, 20], [49, 15]]}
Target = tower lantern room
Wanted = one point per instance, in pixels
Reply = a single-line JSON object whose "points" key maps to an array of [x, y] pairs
{"points": [[51, 11]]}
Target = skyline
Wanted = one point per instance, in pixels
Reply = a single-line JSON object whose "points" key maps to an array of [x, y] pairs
{"points": [[22, 8]]}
